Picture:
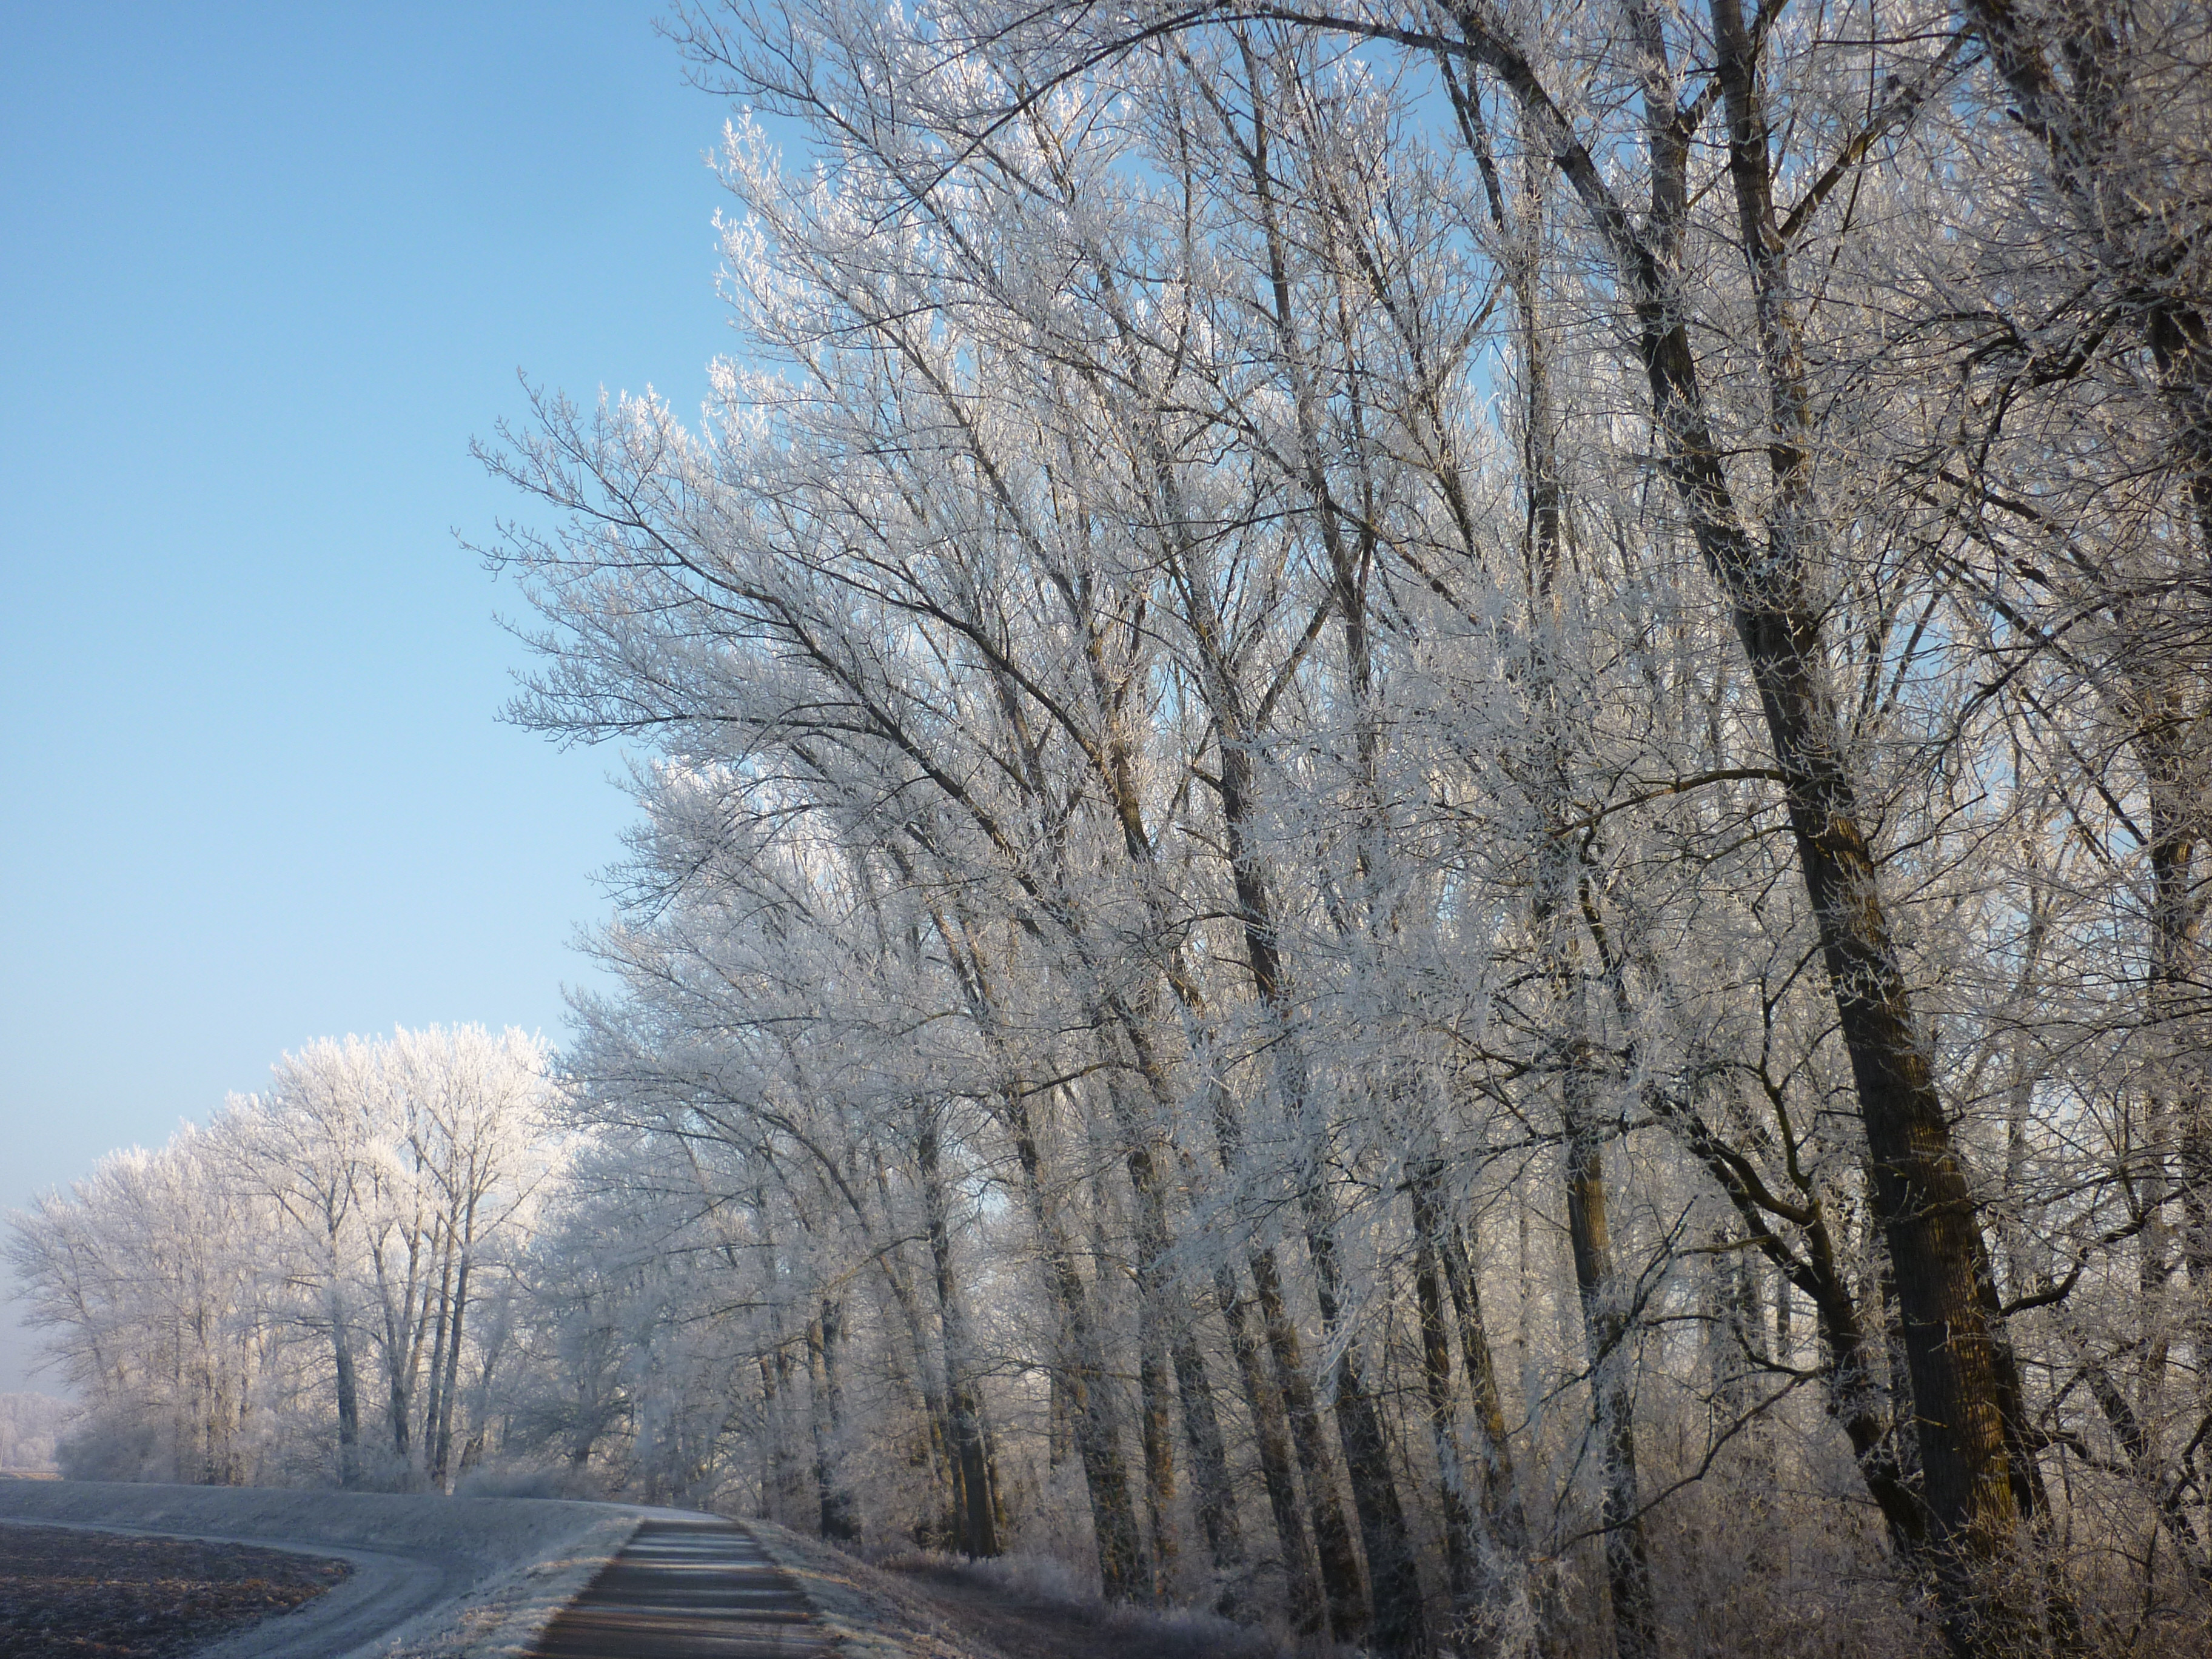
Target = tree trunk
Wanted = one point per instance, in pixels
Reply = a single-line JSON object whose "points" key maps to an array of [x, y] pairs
{"points": [[826, 1392], [791, 1477], [818, 1430], [438, 1343], [1444, 1429], [1501, 1489], [1627, 1564], [1271, 1432], [1339, 1567], [1340, 1576], [1157, 1435], [1400, 1625], [975, 1525], [1489, 1563], [1168, 1324], [1125, 1570], [348, 1393], [771, 1441], [1216, 1497], [402, 1352], [935, 1447], [1921, 1195], [1952, 1338], [442, 1454]]}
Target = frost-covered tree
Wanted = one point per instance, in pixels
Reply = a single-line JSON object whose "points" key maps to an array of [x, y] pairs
{"points": [[147, 1275], [214, 1304], [1359, 607], [1420, 807]]}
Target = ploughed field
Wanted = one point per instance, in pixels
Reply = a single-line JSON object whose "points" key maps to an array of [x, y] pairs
{"points": [[67, 1591]]}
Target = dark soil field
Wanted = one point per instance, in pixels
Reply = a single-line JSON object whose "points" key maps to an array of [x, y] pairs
{"points": [[68, 1593]]}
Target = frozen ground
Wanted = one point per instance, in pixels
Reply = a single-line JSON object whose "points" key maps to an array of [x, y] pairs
{"points": [[433, 1578], [872, 1615], [933, 1607]]}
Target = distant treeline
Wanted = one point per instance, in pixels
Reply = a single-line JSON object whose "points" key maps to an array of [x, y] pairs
{"points": [[30, 1424]]}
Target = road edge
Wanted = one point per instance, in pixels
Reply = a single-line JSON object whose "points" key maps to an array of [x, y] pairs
{"points": [[504, 1616], [871, 1615]]}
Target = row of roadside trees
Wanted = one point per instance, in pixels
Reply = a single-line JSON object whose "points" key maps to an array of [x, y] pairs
{"points": [[1422, 805]]}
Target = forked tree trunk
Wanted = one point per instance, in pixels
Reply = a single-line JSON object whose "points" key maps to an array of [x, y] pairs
{"points": [[1155, 1411], [1502, 1492], [1156, 1434], [1921, 1193], [1348, 1609], [791, 1475], [403, 1351], [1215, 1494], [1560, 952], [437, 1375], [1489, 1563], [935, 1447], [1953, 1337], [1606, 1333], [771, 1444]]}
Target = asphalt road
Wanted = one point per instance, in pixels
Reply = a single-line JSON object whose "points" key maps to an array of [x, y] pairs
{"points": [[689, 1589], [384, 1590]]}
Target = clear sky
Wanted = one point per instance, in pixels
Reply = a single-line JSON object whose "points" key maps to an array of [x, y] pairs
{"points": [[263, 272]]}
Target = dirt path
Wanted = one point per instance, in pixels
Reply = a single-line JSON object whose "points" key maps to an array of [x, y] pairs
{"points": [[70, 1593]]}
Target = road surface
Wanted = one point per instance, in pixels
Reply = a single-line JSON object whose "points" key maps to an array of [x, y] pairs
{"points": [[689, 1589]]}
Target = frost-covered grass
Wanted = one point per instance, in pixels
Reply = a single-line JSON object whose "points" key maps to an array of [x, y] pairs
{"points": [[1044, 1589], [873, 1614]]}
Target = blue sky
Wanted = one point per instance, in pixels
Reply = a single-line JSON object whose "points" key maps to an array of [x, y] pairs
{"points": [[264, 271]]}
